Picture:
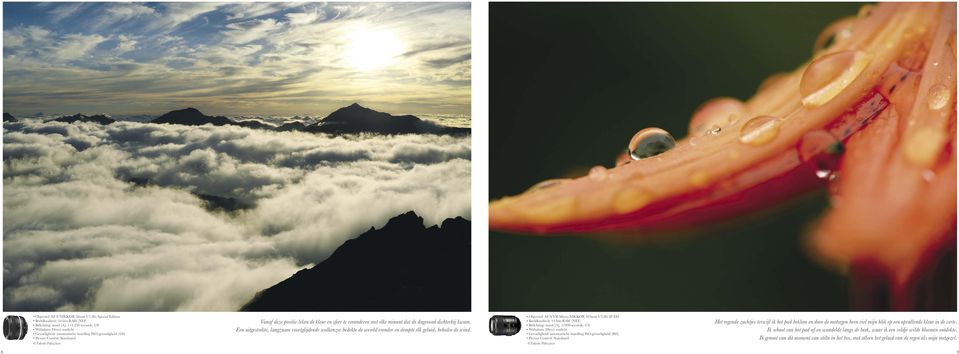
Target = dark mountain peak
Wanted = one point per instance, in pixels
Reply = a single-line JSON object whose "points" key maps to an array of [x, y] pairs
{"points": [[7, 117], [407, 220], [400, 267], [354, 119], [190, 111], [191, 116], [291, 126], [80, 117], [354, 112], [458, 221]]}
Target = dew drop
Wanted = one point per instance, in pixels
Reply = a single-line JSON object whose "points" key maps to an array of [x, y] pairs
{"points": [[836, 32], [938, 96], [759, 130], [715, 130], [597, 173], [547, 184], [650, 142], [716, 113], [820, 151], [829, 74]]}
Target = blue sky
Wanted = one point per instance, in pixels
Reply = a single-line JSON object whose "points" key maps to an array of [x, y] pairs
{"points": [[236, 58]]}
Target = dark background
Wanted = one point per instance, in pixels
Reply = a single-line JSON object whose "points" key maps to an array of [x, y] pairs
{"points": [[571, 83]]}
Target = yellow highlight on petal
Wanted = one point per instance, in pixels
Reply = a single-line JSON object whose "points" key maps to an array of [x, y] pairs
{"points": [[699, 179], [922, 147], [630, 200], [548, 212]]}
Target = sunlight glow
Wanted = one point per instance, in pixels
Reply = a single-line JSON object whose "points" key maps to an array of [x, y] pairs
{"points": [[371, 49]]}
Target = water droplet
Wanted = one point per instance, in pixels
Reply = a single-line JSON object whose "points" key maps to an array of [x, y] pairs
{"points": [[836, 32], [820, 151], [928, 175], [547, 184], [833, 182], [913, 55], [829, 74], [938, 96], [935, 63], [597, 173], [715, 130], [716, 113], [650, 142], [759, 130]]}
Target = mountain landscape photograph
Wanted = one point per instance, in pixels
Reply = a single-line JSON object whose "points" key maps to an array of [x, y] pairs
{"points": [[236, 156]]}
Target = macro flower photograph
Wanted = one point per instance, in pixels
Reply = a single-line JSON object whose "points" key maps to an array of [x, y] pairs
{"points": [[723, 157]]}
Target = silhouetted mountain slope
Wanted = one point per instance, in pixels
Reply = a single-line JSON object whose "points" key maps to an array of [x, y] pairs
{"points": [[99, 118], [7, 117], [191, 116], [291, 126], [358, 119], [255, 124], [347, 120], [218, 203], [403, 266]]}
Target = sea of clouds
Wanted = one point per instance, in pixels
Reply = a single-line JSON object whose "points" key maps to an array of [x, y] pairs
{"points": [[82, 231]]}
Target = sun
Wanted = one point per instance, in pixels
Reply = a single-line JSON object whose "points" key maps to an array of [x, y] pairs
{"points": [[371, 49]]}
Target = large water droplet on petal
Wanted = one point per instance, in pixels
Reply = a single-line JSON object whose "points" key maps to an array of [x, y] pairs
{"points": [[716, 113], [650, 142], [828, 75], [938, 96], [760, 130]]}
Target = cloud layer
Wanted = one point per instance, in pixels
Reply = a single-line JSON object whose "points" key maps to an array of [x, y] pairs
{"points": [[247, 58], [107, 217]]}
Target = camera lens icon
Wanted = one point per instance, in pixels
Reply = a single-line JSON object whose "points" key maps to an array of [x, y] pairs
{"points": [[14, 327], [504, 325]]}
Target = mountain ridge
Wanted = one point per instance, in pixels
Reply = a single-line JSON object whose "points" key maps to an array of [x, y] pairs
{"points": [[352, 119], [403, 266]]}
